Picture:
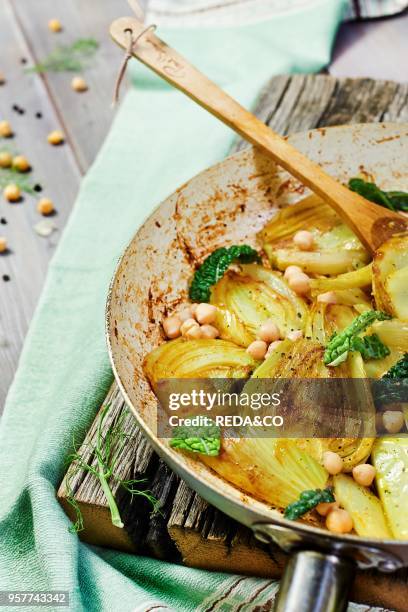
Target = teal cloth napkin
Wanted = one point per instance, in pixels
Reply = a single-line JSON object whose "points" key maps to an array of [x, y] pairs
{"points": [[159, 139]]}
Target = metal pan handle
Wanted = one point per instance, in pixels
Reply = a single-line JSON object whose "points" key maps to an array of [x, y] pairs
{"points": [[315, 582], [321, 569]]}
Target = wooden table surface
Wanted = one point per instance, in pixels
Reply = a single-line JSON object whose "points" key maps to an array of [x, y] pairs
{"points": [[374, 49]]}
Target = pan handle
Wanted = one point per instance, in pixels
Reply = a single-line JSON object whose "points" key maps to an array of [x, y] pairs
{"points": [[315, 582]]}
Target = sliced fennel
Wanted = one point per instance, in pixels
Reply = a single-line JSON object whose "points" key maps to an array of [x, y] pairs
{"points": [[364, 507], [390, 459], [255, 294], [197, 359]]}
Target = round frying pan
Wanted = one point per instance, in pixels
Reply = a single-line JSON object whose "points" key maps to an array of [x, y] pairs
{"points": [[229, 203]]}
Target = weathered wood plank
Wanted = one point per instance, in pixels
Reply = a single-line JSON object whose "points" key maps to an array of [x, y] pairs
{"points": [[53, 168], [204, 536], [86, 116]]}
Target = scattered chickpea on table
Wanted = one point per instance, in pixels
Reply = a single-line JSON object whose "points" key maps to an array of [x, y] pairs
{"points": [[79, 84], [45, 206], [21, 163], [6, 159], [54, 25], [5, 129], [12, 193], [56, 137], [3, 244]]}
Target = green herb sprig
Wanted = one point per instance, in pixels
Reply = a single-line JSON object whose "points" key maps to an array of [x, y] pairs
{"points": [[307, 501], [394, 200], [205, 440], [393, 386], [342, 343], [68, 58], [11, 176], [215, 266], [107, 451], [399, 369], [370, 347]]}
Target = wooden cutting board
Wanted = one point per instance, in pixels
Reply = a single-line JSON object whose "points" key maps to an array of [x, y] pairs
{"points": [[188, 530]]}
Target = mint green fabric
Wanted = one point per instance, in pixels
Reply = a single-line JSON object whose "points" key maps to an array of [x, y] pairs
{"points": [[159, 139]]}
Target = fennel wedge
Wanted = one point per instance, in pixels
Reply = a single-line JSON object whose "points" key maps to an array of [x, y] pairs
{"points": [[336, 248], [349, 280], [364, 507], [390, 276], [254, 294], [326, 319], [390, 459], [273, 470], [197, 359]]}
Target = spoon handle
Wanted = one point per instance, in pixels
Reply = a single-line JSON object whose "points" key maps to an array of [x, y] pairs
{"points": [[371, 223]]}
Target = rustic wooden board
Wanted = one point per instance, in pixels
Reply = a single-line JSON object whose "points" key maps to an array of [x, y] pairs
{"points": [[189, 529]]}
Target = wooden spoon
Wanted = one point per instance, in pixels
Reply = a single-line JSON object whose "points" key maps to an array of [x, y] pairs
{"points": [[373, 224]]}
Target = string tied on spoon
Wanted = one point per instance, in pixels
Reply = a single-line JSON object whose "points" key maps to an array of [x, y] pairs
{"points": [[132, 42]]}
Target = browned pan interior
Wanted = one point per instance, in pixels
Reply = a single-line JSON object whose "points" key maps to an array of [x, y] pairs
{"points": [[227, 203]]}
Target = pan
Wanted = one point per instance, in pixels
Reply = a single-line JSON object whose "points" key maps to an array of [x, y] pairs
{"points": [[228, 204]]}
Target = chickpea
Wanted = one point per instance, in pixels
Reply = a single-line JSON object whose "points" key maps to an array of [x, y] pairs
{"points": [[185, 314], [193, 309], [79, 84], [5, 159], [304, 240], [325, 507], [194, 333], [364, 474], [21, 163], [332, 462], [209, 331], [56, 137], [54, 25], [291, 270], [187, 325], [339, 521], [45, 206], [393, 421], [171, 327], [12, 193], [269, 332], [272, 347], [294, 335], [3, 244], [5, 129], [257, 349], [299, 283], [206, 313], [329, 297]]}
